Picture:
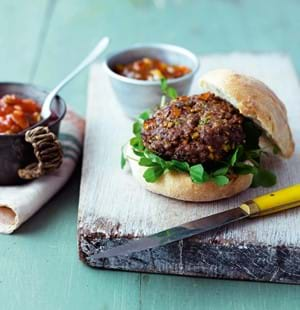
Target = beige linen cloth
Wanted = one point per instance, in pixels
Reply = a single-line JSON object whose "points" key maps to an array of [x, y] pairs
{"points": [[19, 203]]}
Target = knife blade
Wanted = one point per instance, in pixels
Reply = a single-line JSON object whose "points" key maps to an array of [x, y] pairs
{"points": [[259, 206], [176, 233]]}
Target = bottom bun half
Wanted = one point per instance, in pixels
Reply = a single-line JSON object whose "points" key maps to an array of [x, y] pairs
{"points": [[178, 185]]}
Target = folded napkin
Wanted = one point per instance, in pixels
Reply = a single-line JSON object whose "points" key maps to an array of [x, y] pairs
{"points": [[19, 203]]}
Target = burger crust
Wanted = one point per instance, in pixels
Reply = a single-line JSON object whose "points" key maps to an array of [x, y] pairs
{"points": [[254, 100], [178, 185]]}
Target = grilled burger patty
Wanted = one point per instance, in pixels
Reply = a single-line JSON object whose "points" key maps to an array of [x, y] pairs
{"points": [[196, 129]]}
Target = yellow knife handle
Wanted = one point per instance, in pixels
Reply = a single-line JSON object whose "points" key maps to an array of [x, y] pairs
{"points": [[281, 200]]}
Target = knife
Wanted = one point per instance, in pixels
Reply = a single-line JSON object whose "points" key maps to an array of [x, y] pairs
{"points": [[263, 205]]}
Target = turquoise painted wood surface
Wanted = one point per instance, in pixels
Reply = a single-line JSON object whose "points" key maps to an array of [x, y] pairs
{"points": [[40, 41]]}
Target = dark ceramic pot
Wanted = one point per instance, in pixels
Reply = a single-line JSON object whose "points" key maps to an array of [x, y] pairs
{"points": [[15, 152]]}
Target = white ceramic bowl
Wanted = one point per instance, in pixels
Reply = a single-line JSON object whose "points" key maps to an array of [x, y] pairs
{"points": [[136, 96]]}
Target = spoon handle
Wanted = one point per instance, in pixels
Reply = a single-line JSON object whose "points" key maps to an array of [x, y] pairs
{"points": [[100, 47]]}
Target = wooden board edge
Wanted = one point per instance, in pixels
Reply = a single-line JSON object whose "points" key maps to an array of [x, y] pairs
{"points": [[193, 257]]}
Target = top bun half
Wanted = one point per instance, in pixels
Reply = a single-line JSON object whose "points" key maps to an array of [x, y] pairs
{"points": [[256, 101]]}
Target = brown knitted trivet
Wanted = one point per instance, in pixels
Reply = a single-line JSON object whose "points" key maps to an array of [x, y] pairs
{"points": [[47, 150]]}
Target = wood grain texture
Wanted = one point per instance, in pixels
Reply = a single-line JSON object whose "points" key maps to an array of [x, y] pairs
{"points": [[39, 266], [114, 208]]}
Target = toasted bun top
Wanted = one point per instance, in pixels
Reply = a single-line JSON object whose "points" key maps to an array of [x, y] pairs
{"points": [[254, 100]]}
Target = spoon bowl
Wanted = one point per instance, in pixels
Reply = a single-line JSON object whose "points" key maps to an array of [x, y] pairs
{"points": [[92, 56]]}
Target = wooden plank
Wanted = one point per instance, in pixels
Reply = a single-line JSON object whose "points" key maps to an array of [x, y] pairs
{"points": [[113, 208], [50, 276]]}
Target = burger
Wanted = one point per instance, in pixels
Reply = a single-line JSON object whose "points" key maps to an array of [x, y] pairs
{"points": [[210, 146]]}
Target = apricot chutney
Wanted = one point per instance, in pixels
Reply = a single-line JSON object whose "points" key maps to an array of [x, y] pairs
{"points": [[151, 69]]}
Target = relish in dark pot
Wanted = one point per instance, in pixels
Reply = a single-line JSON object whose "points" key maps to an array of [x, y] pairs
{"points": [[17, 114]]}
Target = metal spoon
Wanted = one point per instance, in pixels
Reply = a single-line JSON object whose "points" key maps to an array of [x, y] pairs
{"points": [[100, 47]]}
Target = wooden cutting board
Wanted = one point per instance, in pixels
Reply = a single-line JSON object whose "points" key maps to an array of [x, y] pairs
{"points": [[114, 208]]}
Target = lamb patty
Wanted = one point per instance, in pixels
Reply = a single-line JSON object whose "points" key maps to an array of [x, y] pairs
{"points": [[196, 129]]}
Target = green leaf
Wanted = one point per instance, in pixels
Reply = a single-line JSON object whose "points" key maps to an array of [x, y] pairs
{"points": [[242, 168], [138, 153], [155, 158], [145, 115], [197, 173], [123, 158], [134, 141], [220, 180], [166, 90], [137, 143], [146, 162], [233, 158], [163, 84], [178, 165], [137, 128], [152, 174], [236, 155], [263, 178], [172, 92], [220, 171]]}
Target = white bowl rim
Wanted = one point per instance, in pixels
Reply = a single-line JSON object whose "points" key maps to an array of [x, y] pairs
{"points": [[169, 47]]}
